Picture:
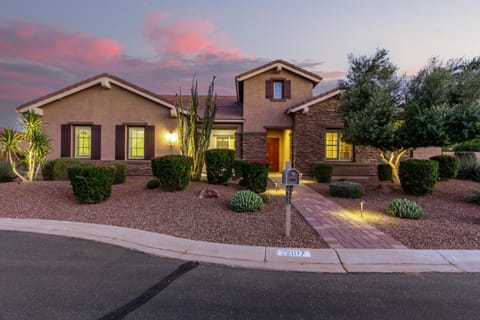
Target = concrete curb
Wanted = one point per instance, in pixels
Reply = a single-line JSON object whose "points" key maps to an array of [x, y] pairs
{"points": [[267, 258]]}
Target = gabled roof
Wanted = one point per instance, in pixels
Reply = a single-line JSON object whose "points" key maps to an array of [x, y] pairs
{"points": [[105, 80], [279, 64], [303, 106]]}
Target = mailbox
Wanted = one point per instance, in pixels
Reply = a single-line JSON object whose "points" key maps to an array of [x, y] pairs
{"points": [[291, 177]]}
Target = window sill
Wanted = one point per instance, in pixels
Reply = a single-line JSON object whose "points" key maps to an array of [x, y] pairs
{"points": [[278, 100]]}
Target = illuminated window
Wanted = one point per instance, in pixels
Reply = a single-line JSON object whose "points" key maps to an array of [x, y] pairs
{"points": [[136, 143], [83, 142], [336, 149], [224, 142]]}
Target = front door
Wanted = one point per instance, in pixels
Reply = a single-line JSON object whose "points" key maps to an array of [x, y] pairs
{"points": [[272, 153]]}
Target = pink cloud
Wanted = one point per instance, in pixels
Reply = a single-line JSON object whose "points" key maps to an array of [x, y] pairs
{"points": [[188, 38], [46, 44]]}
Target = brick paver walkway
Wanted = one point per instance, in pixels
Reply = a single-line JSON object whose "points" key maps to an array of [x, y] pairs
{"points": [[339, 227]]}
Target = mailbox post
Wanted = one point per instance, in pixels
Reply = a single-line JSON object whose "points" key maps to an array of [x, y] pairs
{"points": [[290, 178]]}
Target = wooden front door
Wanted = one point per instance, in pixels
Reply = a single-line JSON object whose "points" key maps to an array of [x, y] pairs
{"points": [[273, 153]]}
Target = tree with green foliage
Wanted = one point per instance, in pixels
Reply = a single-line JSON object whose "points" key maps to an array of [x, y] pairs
{"points": [[193, 132], [381, 109], [28, 149]]}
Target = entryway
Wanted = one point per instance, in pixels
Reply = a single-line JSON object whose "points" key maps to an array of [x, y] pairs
{"points": [[273, 153], [278, 148]]}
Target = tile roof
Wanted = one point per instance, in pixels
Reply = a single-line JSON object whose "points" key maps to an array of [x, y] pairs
{"points": [[310, 101]]}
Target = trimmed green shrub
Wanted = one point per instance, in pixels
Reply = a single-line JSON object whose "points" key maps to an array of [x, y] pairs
{"points": [[322, 172], [346, 189], [467, 164], [120, 172], [404, 208], [246, 201], [418, 177], [475, 175], [471, 145], [384, 172], [447, 166], [219, 164], [173, 171], [91, 183], [237, 169], [56, 169], [6, 172], [254, 176], [153, 183]]}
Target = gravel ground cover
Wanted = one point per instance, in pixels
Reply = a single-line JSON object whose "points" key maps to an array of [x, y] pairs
{"points": [[180, 214], [450, 221]]}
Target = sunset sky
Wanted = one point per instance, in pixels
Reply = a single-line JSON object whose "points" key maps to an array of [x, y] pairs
{"points": [[46, 45]]}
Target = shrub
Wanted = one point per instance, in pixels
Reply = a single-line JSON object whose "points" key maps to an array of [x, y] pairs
{"points": [[173, 171], [404, 208], [219, 164], [153, 183], [120, 172], [6, 173], [476, 172], [237, 168], [471, 145], [254, 176], [91, 183], [57, 169], [447, 166], [265, 197], [246, 201], [346, 189], [418, 177], [322, 172], [467, 164], [384, 172]]}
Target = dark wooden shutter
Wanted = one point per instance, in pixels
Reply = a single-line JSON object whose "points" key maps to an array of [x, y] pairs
{"points": [[269, 89], [96, 142], [149, 142], [287, 89], [120, 142], [65, 140]]}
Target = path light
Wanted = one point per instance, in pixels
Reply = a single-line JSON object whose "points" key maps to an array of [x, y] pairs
{"points": [[276, 186], [362, 208]]}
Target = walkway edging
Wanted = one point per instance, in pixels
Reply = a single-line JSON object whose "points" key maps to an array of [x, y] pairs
{"points": [[321, 260]]}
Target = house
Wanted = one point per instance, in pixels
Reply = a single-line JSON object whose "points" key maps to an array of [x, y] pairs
{"points": [[274, 117]]}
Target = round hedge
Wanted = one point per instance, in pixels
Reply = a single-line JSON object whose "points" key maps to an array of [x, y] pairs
{"points": [[322, 172], [447, 166], [384, 172], [346, 189], [418, 177]]}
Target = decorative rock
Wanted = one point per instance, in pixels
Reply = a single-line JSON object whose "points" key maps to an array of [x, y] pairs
{"points": [[208, 193]]}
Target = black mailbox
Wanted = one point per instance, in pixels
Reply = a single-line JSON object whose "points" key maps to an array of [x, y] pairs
{"points": [[291, 177]]}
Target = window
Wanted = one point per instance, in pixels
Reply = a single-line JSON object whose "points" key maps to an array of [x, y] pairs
{"points": [[224, 142], [136, 142], [83, 142], [277, 89], [336, 149]]}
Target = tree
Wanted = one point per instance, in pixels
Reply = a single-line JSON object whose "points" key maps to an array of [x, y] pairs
{"points": [[194, 135], [28, 148], [381, 109]]}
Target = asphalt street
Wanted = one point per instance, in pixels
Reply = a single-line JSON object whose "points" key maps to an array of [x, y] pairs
{"points": [[50, 277]]}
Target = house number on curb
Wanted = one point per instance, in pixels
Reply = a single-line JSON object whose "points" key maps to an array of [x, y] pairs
{"points": [[293, 253]]}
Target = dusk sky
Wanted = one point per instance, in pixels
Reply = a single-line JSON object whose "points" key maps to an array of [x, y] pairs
{"points": [[46, 45]]}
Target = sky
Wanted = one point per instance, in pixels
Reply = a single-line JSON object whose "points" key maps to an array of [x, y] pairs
{"points": [[46, 45]]}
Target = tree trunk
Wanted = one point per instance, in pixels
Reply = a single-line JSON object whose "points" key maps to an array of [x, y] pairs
{"points": [[392, 158]]}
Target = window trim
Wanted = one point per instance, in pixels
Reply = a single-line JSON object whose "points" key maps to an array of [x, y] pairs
{"points": [[76, 141], [128, 144], [275, 91], [231, 141], [338, 146]]}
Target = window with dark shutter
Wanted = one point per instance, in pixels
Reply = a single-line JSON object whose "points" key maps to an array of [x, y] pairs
{"points": [[65, 140], [120, 142], [269, 89], [149, 142], [96, 142]]}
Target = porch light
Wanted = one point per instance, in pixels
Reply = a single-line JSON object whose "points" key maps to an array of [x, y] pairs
{"points": [[171, 138]]}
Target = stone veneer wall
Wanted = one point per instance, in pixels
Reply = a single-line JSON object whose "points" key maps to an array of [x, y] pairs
{"points": [[254, 146], [309, 142]]}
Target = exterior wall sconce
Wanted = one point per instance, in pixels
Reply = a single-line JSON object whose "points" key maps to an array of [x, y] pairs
{"points": [[171, 138]]}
